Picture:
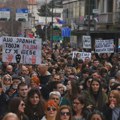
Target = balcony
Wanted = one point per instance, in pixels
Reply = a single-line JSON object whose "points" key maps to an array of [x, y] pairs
{"points": [[116, 17], [105, 18]]}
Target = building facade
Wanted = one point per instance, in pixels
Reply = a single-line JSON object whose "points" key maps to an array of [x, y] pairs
{"points": [[97, 18]]}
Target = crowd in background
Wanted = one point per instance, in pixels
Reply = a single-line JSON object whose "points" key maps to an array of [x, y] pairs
{"points": [[62, 87]]}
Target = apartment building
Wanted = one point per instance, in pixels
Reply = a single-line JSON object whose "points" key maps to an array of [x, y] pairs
{"points": [[97, 18]]}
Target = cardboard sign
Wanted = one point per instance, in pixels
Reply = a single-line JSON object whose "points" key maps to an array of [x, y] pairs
{"points": [[81, 55], [104, 46], [21, 50], [86, 42]]}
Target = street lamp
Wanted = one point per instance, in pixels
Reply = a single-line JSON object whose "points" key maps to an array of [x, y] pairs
{"points": [[45, 20]]}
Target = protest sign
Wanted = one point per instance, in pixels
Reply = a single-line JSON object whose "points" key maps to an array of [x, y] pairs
{"points": [[21, 50], [104, 46], [86, 42], [81, 55]]}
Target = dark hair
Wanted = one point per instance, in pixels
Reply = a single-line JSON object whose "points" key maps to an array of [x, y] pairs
{"points": [[13, 106], [82, 100], [98, 95], [39, 108], [60, 109], [96, 112], [21, 84]]}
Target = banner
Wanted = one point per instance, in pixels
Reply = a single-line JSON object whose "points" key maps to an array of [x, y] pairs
{"points": [[86, 42], [81, 55], [104, 46], [21, 50]]}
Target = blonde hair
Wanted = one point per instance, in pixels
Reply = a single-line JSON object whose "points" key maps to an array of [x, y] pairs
{"points": [[116, 94], [10, 115]]}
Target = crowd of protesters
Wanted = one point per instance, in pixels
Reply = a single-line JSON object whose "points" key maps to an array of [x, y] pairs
{"points": [[62, 87]]}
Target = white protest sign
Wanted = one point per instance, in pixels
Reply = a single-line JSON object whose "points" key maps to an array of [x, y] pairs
{"points": [[0, 41], [104, 46], [86, 41], [21, 50], [81, 55]]}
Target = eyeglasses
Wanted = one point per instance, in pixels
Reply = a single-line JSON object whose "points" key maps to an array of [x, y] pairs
{"points": [[65, 113], [7, 79], [51, 108]]}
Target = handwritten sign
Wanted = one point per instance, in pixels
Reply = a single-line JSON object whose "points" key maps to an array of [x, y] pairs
{"points": [[104, 46], [21, 50], [86, 42], [81, 55]]}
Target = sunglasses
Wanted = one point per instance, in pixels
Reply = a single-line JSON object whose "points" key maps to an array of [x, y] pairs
{"points": [[51, 108], [7, 79], [65, 113]]}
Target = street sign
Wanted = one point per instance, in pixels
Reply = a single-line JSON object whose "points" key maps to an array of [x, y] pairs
{"points": [[4, 14], [22, 14], [95, 11]]}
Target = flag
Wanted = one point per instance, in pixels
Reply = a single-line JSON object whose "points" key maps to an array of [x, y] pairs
{"points": [[60, 21], [66, 32]]}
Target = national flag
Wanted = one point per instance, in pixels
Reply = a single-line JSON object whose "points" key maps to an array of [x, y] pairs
{"points": [[60, 21]]}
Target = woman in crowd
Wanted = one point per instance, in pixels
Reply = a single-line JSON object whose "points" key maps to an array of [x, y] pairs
{"points": [[34, 105], [3, 102], [95, 97], [112, 109], [51, 109], [10, 116], [64, 113], [72, 90], [79, 104], [87, 83], [6, 82], [17, 106], [96, 115]]}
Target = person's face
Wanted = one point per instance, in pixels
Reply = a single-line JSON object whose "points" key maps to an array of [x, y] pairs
{"points": [[112, 81], [95, 86], [77, 106], [96, 63], [51, 111], [96, 117], [69, 87], [23, 91], [7, 80], [64, 114], [60, 88], [88, 82], [21, 107], [55, 98], [35, 99], [112, 99], [95, 75], [9, 69], [56, 78], [24, 70], [16, 81]]}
